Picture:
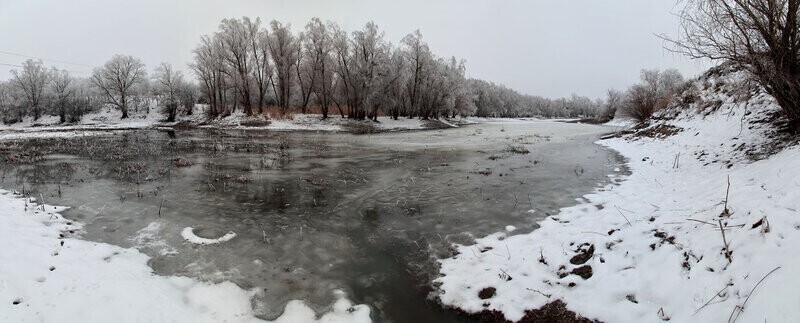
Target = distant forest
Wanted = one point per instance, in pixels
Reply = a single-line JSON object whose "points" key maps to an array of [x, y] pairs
{"points": [[254, 68]]}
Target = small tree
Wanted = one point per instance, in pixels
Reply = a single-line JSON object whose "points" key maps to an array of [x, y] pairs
{"points": [[61, 84], [653, 93], [614, 101], [761, 35], [188, 94], [31, 82], [118, 78], [168, 84]]}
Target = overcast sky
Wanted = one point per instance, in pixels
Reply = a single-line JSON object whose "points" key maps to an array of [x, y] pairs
{"points": [[551, 48]]}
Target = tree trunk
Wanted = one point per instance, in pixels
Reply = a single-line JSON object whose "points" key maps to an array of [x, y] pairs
{"points": [[124, 108]]}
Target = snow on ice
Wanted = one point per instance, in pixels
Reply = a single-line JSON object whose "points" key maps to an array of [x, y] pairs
{"points": [[188, 234]]}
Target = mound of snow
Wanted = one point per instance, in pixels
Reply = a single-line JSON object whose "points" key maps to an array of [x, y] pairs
{"points": [[188, 234]]}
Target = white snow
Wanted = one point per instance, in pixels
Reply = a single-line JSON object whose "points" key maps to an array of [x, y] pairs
{"points": [[621, 123], [107, 119], [658, 248], [188, 234], [82, 281]]}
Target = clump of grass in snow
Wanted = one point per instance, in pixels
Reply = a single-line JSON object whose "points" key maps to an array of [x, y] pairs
{"points": [[517, 149]]}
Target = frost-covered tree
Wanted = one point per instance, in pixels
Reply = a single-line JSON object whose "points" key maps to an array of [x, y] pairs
{"points": [[11, 103], [318, 47], [304, 68], [118, 80], [614, 101], [369, 56], [262, 67], [419, 59], [188, 93], [235, 38], [208, 67], [31, 82], [394, 99], [62, 85], [168, 84], [344, 75], [283, 47]]}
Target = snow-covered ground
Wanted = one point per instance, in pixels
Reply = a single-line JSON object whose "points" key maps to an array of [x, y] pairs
{"points": [[108, 119], [649, 247], [47, 274]]}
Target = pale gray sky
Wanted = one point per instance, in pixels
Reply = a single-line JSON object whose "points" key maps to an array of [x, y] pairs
{"points": [[549, 48]]}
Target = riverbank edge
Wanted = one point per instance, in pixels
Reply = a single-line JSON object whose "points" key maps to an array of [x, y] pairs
{"points": [[648, 247]]}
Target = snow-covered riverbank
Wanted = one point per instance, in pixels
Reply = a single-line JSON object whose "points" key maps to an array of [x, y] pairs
{"points": [[48, 274], [106, 120], [650, 247]]}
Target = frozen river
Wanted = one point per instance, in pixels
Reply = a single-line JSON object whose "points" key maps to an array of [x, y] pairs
{"points": [[315, 212]]}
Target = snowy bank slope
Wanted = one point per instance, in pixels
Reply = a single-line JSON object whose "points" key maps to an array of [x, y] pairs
{"points": [[46, 275], [649, 248]]}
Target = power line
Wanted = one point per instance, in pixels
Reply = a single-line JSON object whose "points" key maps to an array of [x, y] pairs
{"points": [[44, 59], [12, 65]]}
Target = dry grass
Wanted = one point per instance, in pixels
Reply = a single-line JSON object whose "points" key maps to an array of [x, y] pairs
{"points": [[361, 127]]}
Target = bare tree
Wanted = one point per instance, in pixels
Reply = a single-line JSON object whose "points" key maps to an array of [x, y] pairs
{"points": [[761, 35], [118, 78], [236, 37], [344, 75], [614, 101], [188, 96], [653, 93], [419, 57], [262, 69], [31, 82], [283, 47], [318, 48], [168, 84], [369, 56], [208, 67], [11, 105], [63, 90]]}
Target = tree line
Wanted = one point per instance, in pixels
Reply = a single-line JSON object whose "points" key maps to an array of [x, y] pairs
{"points": [[251, 67]]}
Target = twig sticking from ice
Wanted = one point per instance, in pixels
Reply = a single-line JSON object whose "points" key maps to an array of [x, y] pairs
{"points": [[188, 234]]}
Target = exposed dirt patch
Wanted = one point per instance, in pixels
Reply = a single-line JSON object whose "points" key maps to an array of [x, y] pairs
{"points": [[553, 312], [659, 131], [584, 254], [584, 271], [487, 293]]}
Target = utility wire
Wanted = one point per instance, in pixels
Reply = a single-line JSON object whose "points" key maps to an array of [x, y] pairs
{"points": [[12, 65], [44, 59]]}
